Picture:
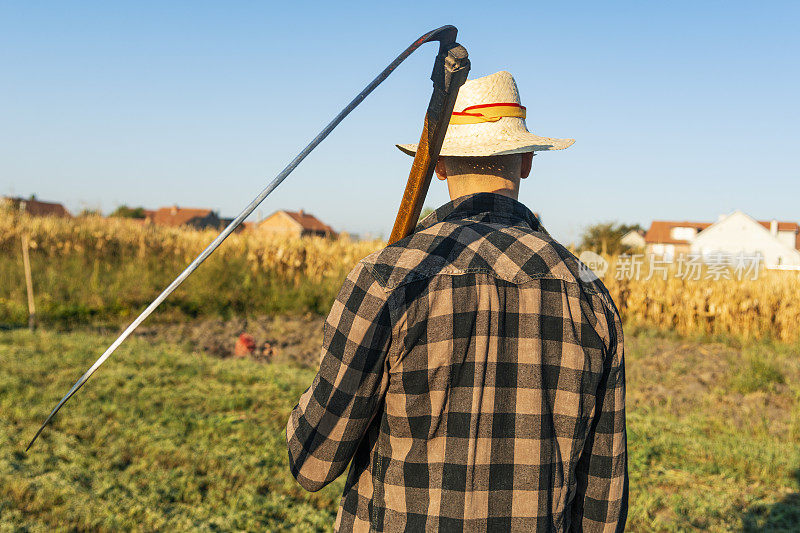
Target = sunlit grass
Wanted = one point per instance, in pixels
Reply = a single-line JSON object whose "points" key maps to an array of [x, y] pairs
{"points": [[158, 439], [164, 438], [713, 434]]}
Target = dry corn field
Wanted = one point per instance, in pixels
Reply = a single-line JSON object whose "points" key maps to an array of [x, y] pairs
{"points": [[768, 306], [97, 237], [100, 267], [92, 268]]}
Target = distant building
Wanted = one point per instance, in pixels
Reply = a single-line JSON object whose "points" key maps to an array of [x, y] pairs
{"points": [[184, 216], [786, 232], [738, 233], [296, 223], [244, 226], [36, 208], [634, 239], [669, 239]]}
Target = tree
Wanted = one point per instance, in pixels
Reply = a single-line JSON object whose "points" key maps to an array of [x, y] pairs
{"points": [[606, 237], [124, 211]]}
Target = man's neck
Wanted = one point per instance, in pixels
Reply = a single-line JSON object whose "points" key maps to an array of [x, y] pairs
{"points": [[465, 185]]}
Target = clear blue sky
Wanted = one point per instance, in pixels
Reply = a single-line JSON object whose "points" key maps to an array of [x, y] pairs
{"points": [[680, 110]]}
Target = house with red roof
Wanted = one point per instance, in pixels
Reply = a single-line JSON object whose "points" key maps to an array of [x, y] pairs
{"points": [[669, 238], [738, 233], [175, 216], [295, 223], [778, 242], [36, 208]]}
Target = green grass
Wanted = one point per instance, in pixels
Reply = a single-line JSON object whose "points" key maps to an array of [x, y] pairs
{"points": [[164, 438], [714, 434], [759, 372], [158, 439]]}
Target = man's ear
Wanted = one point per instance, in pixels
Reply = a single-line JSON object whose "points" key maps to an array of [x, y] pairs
{"points": [[441, 171], [527, 162]]}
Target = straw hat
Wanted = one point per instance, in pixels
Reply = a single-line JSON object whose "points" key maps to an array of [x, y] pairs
{"points": [[489, 120]]}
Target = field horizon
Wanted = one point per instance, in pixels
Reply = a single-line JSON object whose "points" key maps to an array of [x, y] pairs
{"points": [[104, 271]]}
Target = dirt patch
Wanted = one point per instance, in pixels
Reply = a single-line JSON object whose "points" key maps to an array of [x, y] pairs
{"points": [[686, 376], [673, 372], [294, 339]]}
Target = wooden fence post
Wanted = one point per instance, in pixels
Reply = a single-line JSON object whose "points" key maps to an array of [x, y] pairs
{"points": [[28, 283]]}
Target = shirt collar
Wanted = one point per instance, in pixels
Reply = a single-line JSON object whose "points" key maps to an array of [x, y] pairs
{"points": [[485, 206]]}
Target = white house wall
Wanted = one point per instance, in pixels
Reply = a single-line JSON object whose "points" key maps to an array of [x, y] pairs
{"points": [[739, 233], [788, 238], [682, 233]]}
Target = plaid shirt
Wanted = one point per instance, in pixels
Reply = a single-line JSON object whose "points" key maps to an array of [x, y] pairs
{"points": [[473, 372]]}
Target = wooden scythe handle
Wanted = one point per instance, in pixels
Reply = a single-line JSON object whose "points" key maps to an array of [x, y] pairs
{"points": [[449, 74]]}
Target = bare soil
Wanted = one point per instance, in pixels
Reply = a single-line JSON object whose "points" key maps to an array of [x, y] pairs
{"points": [[295, 339], [683, 375]]}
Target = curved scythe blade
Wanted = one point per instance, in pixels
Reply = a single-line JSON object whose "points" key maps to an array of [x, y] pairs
{"points": [[445, 35]]}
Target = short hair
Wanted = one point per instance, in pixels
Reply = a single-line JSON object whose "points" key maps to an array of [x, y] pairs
{"points": [[498, 165]]}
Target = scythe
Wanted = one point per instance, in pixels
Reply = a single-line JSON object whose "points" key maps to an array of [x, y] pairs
{"points": [[449, 74]]}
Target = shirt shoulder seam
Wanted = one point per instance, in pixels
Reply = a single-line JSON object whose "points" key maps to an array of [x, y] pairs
{"points": [[449, 270]]}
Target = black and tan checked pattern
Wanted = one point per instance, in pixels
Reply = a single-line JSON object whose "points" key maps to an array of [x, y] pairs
{"points": [[475, 380]]}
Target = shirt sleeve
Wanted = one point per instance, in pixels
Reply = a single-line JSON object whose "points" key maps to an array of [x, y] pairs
{"points": [[333, 414], [601, 503]]}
